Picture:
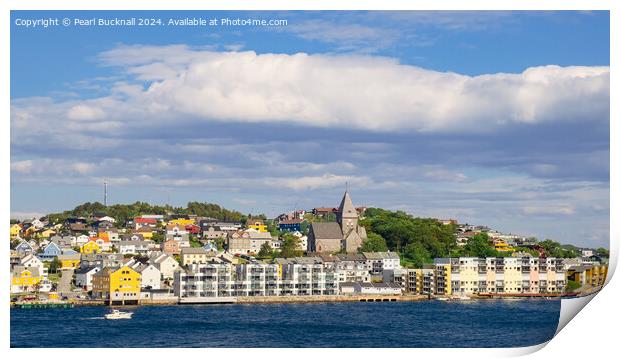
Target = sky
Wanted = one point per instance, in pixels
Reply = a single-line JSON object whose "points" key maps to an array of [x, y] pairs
{"points": [[490, 118]]}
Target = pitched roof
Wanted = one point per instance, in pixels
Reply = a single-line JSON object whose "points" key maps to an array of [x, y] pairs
{"points": [[292, 221], [346, 208], [326, 230], [351, 257], [193, 250], [69, 257]]}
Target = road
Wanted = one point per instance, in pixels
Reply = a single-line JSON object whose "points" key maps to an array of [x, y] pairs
{"points": [[64, 284]]}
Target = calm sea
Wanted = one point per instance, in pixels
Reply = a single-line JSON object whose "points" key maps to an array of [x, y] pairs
{"points": [[484, 323]]}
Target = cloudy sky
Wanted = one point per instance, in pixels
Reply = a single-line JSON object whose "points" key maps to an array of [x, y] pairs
{"points": [[491, 118]]}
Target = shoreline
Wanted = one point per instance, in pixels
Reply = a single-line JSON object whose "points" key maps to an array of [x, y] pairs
{"points": [[282, 299]]}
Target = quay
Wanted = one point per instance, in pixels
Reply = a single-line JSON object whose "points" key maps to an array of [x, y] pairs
{"points": [[527, 295], [327, 299], [36, 305]]}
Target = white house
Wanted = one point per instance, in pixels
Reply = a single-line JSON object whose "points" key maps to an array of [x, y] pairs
{"points": [[31, 260], [84, 276], [369, 288], [151, 276], [303, 241], [587, 252], [133, 247], [165, 263], [81, 240]]}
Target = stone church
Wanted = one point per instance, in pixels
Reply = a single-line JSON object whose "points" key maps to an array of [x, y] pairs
{"points": [[345, 233]]}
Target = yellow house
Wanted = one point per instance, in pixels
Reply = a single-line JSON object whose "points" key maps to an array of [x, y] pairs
{"points": [[90, 247], [146, 233], [443, 279], [501, 245], [256, 224], [26, 278], [30, 231], [117, 284], [15, 230], [47, 233], [69, 261], [182, 222]]}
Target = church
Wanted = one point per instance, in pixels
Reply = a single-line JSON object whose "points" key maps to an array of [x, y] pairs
{"points": [[344, 234]]}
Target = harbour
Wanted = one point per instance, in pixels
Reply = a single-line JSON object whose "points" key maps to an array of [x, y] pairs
{"points": [[428, 323]]}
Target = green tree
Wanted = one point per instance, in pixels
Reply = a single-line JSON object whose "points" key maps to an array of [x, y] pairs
{"points": [[417, 254], [54, 265], [603, 252], [572, 285], [290, 246], [158, 237], [265, 251], [374, 243], [479, 246]]}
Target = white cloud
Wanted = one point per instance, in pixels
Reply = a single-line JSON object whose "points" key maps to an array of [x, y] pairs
{"points": [[24, 215], [371, 93], [23, 166], [85, 112], [549, 210], [317, 182], [362, 92]]}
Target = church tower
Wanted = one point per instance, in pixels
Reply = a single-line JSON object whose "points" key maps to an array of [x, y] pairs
{"points": [[347, 215]]}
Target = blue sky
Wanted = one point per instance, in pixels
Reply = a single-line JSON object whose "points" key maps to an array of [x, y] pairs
{"points": [[492, 118]]}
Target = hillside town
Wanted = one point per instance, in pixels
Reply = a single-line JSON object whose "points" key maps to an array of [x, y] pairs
{"points": [[324, 253]]}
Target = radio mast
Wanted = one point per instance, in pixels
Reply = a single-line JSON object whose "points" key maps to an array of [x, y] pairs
{"points": [[105, 191]]}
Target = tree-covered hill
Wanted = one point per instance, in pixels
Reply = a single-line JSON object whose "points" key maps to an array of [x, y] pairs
{"points": [[124, 212]]}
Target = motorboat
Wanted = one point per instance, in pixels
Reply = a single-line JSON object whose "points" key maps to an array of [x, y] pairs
{"points": [[116, 314]]}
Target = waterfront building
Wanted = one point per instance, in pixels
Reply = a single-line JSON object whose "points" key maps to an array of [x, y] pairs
{"points": [[592, 275], [117, 285], [149, 274], [345, 233], [352, 268], [370, 288], [84, 276], [287, 278], [379, 261], [206, 280], [506, 275]]}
